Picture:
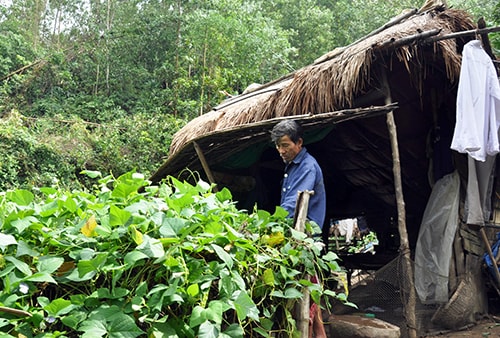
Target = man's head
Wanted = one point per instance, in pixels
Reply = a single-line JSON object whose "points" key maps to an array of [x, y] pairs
{"points": [[287, 136]]}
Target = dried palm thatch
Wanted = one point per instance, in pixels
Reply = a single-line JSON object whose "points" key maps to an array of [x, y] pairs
{"points": [[335, 79]]}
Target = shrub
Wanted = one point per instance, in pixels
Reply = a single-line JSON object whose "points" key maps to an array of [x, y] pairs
{"points": [[132, 259]]}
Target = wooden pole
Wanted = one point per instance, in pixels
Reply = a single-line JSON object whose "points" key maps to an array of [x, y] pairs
{"points": [[404, 247], [301, 206], [471, 32], [299, 222], [205, 166], [490, 253]]}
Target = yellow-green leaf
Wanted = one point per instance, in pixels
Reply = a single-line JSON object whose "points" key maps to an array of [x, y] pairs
{"points": [[268, 277], [136, 235], [276, 238], [89, 228]]}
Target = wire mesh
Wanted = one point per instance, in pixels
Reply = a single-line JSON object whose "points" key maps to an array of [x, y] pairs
{"points": [[386, 294]]}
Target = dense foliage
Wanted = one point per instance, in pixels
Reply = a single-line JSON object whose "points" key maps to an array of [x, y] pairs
{"points": [[174, 260], [104, 84]]}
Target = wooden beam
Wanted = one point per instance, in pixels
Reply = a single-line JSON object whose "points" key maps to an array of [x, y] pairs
{"points": [[481, 24], [471, 32], [407, 40], [205, 166]]}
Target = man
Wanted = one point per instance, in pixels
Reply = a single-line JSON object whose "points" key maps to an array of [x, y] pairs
{"points": [[302, 172]]}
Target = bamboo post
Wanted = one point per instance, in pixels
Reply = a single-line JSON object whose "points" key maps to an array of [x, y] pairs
{"points": [[404, 248], [299, 221], [205, 166]]}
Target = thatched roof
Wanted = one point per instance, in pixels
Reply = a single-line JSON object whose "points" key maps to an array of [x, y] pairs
{"points": [[344, 90]]}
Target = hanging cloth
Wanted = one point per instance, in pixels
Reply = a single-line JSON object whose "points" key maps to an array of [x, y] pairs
{"points": [[476, 128], [478, 105]]}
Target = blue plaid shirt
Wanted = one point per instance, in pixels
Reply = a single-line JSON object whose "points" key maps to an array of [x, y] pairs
{"points": [[304, 173]]}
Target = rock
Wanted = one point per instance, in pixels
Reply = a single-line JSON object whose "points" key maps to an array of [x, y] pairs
{"points": [[359, 326]]}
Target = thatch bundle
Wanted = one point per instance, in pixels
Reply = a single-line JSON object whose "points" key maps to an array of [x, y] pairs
{"points": [[338, 77]]}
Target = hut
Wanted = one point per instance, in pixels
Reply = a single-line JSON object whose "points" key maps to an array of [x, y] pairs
{"points": [[379, 117]]}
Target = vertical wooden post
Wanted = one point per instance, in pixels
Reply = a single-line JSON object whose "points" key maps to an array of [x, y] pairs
{"points": [[404, 247], [299, 221], [205, 166]]}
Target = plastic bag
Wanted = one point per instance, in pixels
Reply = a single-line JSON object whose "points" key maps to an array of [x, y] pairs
{"points": [[435, 241]]}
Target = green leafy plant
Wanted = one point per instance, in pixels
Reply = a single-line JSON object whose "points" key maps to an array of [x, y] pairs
{"points": [[131, 259], [367, 243]]}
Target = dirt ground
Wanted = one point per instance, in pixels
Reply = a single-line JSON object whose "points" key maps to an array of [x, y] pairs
{"points": [[375, 296], [486, 328]]}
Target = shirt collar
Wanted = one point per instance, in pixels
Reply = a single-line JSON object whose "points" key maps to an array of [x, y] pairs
{"points": [[300, 156]]}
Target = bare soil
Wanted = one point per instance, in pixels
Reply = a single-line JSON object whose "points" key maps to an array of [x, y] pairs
{"points": [[486, 328]]}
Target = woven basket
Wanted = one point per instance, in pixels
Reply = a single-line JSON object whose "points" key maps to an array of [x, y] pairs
{"points": [[457, 312]]}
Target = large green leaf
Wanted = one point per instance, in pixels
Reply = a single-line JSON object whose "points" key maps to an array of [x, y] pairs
{"points": [[112, 322], [172, 226], [223, 255], [24, 249], [49, 209], [208, 330], [244, 306], [123, 326], [151, 247], [21, 197], [88, 268], [59, 307], [133, 257], [118, 216], [290, 293], [93, 328], [20, 265], [41, 277], [198, 316], [23, 223], [49, 264]]}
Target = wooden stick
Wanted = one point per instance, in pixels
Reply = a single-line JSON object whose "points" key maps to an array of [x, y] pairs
{"points": [[481, 24], [16, 312], [20, 70], [404, 248], [490, 253], [299, 221], [463, 33], [204, 164], [408, 39]]}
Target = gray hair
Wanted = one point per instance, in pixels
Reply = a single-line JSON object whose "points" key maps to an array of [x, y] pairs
{"points": [[289, 128]]}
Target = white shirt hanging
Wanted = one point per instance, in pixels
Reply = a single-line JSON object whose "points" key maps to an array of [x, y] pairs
{"points": [[478, 105]]}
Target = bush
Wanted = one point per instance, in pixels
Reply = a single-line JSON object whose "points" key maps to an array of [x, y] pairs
{"points": [[26, 162], [48, 150], [174, 260]]}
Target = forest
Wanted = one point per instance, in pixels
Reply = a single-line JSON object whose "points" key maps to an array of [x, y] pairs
{"points": [[103, 85]]}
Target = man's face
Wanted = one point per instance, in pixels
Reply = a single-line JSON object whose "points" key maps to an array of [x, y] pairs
{"points": [[287, 148]]}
